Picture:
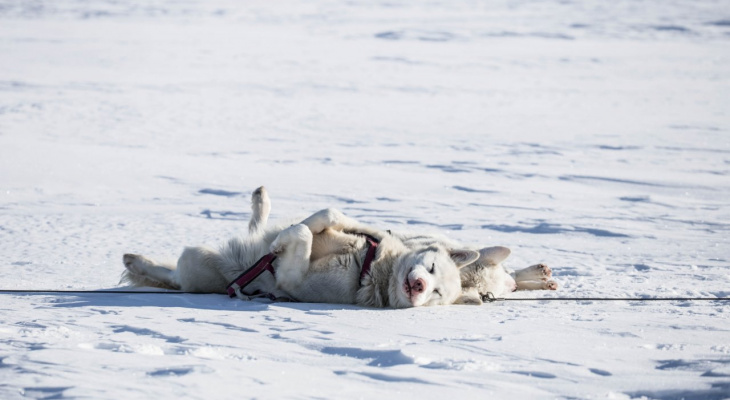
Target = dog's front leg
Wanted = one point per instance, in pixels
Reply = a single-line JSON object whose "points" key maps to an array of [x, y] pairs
{"points": [[293, 248], [469, 296]]}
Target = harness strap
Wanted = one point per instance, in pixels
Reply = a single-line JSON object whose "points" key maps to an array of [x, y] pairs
{"points": [[235, 288], [369, 256]]}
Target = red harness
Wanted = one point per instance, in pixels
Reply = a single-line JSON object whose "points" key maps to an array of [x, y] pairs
{"points": [[265, 263], [235, 288], [369, 256]]}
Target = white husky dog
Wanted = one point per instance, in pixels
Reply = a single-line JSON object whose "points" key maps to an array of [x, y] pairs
{"points": [[484, 277], [318, 260]]}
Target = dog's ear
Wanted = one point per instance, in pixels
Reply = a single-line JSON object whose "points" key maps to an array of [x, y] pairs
{"points": [[469, 299], [462, 257], [493, 255]]}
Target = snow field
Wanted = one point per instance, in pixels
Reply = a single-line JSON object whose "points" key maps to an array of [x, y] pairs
{"points": [[589, 136]]}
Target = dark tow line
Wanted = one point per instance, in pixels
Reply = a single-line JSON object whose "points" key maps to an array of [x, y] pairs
{"points": [[488, 298]]}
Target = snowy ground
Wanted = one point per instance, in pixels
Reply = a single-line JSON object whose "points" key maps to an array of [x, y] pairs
{"points": [[593, 136]]}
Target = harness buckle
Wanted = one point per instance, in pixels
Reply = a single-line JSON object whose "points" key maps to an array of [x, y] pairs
{"points": [[490, 298]]}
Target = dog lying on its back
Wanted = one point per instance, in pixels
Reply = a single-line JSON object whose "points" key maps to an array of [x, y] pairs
{"points": [[318, 260], [486, 275]]}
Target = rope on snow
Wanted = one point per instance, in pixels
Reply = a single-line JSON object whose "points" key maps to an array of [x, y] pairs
{"points": [[489, 297]]}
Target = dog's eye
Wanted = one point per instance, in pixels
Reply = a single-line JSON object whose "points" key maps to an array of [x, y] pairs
{"points": [[433, 267]]}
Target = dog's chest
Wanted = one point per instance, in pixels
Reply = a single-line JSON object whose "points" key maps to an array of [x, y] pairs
{"points": [[346, 262]]}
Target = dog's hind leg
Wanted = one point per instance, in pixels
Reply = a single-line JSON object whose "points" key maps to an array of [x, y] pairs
{"points": [[538, 272], [335, 220], [537, 285], [293, 248], [261, 207], [536, 277], [199, 270], [142, 271]]}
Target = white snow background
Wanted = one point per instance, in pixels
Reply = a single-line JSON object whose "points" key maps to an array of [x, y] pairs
{"points": [[589, 135]]}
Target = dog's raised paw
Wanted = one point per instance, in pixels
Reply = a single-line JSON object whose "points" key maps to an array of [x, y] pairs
{"points": [[293, 235], [276, 247]]}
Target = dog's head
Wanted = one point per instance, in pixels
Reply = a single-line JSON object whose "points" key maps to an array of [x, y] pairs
{"points": [[486, 275], [429, 276]]}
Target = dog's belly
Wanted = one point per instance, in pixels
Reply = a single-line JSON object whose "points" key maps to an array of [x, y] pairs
{"points": [[331, 279]]}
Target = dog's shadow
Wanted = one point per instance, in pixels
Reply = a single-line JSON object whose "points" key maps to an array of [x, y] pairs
{"points": [[163, 299]]}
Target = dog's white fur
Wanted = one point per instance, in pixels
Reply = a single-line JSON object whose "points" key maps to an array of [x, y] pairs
{"points": [[318, 260]]}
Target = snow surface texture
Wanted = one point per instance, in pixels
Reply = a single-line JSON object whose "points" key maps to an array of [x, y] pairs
{"points": [[592, 136]]}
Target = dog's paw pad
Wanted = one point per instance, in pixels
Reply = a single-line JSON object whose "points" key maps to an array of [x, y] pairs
{"points": [[544, 270], [551, 285]]}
